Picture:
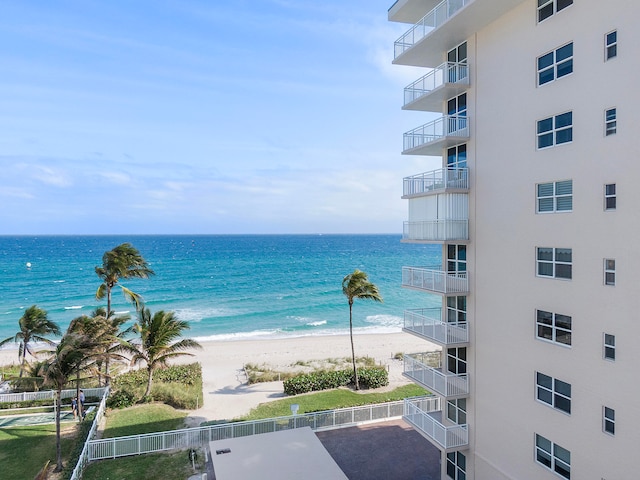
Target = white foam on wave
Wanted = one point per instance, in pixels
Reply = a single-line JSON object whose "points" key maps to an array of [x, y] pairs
{"points": [[74, 307], [316, 323], [196, 315], [59, 281], [122, 312], [386, 321]]}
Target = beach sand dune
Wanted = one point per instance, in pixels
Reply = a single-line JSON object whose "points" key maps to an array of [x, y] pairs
{"points": [[226, 394]]}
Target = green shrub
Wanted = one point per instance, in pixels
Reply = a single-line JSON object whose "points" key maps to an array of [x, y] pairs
{"points": [[373, 377], [121, 399], [324, 380]]}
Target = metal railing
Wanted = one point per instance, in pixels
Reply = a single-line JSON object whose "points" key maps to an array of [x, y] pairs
{"points": [[191, 437], [445, 126], [432, 20], [435, 181], [448, 72], [427, 322], [49, 395], [421, 412], [84, 455], [447, 385], [435, 280], [436, 230]]}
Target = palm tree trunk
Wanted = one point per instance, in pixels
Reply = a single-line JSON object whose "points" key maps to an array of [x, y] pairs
{"points": [[79, 405], [353, 351], [24, 361], [148, 392], [59, 465]]}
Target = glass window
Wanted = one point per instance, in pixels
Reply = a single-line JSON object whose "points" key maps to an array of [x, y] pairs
{"points": [[457, 309], [553, 457], [555, 196], [456, 466], [554, 262], [609, 271], [457, 360], [610, 196], [609, 346], [611, 45], [553, 327], [610, 121], [609, 420], [555, 130], [456, 258], [457, 411], [555, 64], [457, 156], [553, 392], [546, 8]]}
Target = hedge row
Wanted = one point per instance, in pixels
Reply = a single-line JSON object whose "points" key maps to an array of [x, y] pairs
{"points": [[310, 382]]}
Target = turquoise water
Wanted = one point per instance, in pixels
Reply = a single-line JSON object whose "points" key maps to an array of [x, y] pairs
{"points": [[227, 286]]}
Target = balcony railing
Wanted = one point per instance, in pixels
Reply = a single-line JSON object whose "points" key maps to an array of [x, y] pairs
{"points": [[423, 413], [446, 126], [436, 230], [449, 72], [433, 379], [432, 20], [427, 323], [436, 181], [436, 281]]}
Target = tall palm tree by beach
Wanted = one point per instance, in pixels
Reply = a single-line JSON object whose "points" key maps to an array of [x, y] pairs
{"points": [[34, 325], [123, 262], [357, 285], [72, 351], [158, 335]]}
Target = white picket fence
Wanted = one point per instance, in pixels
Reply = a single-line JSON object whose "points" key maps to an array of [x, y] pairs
{"points": [[49, 395], [193, 437]]}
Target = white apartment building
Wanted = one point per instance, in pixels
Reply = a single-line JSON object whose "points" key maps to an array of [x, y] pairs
{"points": [[537, 103]]}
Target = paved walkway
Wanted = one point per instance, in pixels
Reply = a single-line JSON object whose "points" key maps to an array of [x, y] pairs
{"points": [[382, 451]]}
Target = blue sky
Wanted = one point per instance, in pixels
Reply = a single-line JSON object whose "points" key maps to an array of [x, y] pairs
{"points": [[254, 116]]}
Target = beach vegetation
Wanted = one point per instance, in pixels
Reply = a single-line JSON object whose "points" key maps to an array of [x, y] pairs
{"points": [[123, 262], [158, 342], [373, 377], [35, 326], [330, 400], [357, 285], [177, 385]]}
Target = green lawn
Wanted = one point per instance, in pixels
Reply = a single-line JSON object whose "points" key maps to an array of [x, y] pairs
{"points": [[139, 419], [25, 450], [330, 400], [151, 466]]}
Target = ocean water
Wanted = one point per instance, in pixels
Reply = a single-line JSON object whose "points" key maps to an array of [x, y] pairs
{"points": [[227, 286]]}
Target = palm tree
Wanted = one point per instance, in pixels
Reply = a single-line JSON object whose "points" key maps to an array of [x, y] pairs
{"points": [[34, 325], [157, 341], [357, 285], [72, 351], [124, 261]]}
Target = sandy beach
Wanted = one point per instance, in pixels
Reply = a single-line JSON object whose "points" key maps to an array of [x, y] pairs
{"points": [[225, 390]]}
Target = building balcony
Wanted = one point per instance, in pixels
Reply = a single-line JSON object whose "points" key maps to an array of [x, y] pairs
{"points": [[435, 281], [448, 385], [432, 137], [410, 11], [442, 230], [430, 91], [443, 180], [448, 24], [427, 323], [425, 415]]}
